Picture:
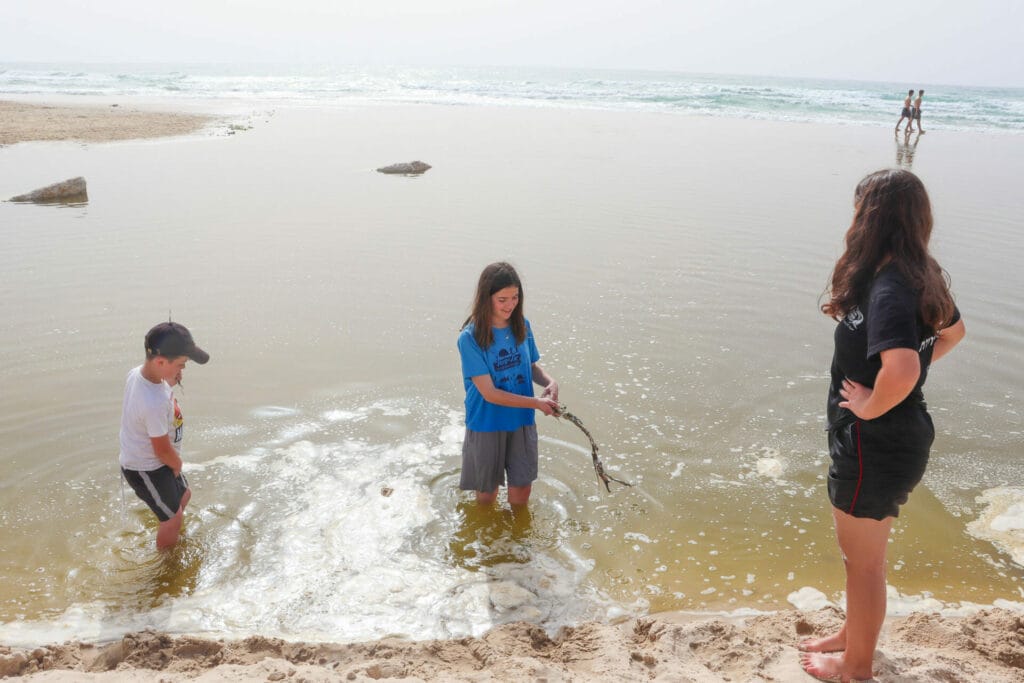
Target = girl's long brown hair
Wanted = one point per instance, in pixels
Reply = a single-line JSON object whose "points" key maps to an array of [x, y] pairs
{"points": [[495, 278], [892, 221]]}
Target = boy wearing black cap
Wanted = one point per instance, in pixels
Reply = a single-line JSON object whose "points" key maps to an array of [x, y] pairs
{"points": [[151, 427]]}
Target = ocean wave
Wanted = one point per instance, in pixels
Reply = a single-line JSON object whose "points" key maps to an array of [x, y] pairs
{"points": [[761, 98]]}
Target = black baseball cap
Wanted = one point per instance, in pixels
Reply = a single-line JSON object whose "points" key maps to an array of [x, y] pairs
{"points": [[172, 340]]}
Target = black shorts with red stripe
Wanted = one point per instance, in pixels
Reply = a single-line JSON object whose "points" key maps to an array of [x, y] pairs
{"points": [[877, 463]]}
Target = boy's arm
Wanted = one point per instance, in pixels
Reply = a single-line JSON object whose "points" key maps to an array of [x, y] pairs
{"points": [[165, 452]]}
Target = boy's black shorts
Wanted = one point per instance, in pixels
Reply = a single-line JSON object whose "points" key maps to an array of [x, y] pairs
{"points": [[877, 463], [159, 489]]}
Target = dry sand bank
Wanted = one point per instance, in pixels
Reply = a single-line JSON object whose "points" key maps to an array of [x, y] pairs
{"points": [[24, 122], [987, 646]]}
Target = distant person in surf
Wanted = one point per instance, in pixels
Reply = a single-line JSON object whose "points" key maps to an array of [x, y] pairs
{"points": [[896, 317], [499, 368], [152, 428], [906, 113], [915, 112]]}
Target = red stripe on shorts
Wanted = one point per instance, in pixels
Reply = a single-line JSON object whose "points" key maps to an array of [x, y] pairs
{"points": [[860, 469]]}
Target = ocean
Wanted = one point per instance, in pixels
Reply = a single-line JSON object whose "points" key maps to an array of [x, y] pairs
{"points": [[945, 107], [672, 269]]}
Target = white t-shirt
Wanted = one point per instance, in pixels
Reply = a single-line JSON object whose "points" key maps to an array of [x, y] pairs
{"points": [[149, 410]]}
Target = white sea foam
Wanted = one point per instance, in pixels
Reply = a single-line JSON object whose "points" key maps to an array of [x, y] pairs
{"points": [[274, 412], [899, 604], [634, 536], [808, 598], [227, 430], [342, 415], [1001, 520], [347, 540], [391, 408], [242, 460], [565, 444], [770, 467], [295, 431]]}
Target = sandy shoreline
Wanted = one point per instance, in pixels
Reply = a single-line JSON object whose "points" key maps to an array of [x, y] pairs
{"points": [[987, 646], [30, 122]]}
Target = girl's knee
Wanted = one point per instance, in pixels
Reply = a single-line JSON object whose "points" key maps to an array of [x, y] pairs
{"points": [[519, 495], [486, 497]]}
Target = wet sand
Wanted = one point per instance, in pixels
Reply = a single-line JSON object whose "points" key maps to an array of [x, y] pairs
{"points": [[25, 122]]}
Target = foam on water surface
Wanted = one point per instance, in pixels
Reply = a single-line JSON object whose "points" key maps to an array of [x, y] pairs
{"points": [[1001, 520], [808, 598], [898, 604], [274, 412], [344, 537]]}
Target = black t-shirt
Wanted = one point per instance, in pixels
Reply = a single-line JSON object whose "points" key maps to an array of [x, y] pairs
{"points": [[887, 318]]}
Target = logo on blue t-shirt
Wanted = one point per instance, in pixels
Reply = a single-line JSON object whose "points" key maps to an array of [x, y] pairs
{"points": [[507, 359]]}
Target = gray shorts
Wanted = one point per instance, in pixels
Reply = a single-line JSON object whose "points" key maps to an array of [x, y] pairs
{"points": [[487, 456]]}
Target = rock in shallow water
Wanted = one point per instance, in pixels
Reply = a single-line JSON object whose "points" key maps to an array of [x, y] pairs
{"points": [[73, 188], [407, 168]]}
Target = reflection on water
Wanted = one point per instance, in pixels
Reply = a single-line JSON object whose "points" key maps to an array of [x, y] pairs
{"points": [[489, 535], [906, 149], [512, 559], [74, 202], [150, 577]]}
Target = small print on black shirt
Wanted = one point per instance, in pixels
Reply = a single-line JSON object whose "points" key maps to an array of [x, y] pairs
{"points": [[887, 318]]}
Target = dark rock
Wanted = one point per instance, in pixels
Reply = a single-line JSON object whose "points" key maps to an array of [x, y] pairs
{"points": [[68, 190], [410, 168]]}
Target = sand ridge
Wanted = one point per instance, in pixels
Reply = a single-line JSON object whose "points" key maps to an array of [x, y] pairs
{"points": [[987, 646], [24, 122]]}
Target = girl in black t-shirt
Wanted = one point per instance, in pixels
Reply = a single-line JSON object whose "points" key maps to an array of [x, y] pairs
{"points": [[896, 316]]}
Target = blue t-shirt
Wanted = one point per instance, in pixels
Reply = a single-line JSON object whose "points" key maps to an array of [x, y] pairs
{"points": [[510, 367]]}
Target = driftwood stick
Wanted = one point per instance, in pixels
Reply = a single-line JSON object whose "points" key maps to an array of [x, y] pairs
{"points": [[598, 466]]}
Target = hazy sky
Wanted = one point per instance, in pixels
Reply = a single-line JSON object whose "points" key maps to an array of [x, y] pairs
{"points": [[941, 41]]}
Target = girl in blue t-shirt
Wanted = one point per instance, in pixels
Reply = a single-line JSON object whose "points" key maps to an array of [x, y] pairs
{"points": [[499, 367]]}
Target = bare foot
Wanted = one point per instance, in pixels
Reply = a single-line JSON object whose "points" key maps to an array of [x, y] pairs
{"points": [[830, 668], [833, 643]]}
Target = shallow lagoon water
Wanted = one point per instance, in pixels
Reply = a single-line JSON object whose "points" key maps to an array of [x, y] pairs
{"points": [[672, 270]]}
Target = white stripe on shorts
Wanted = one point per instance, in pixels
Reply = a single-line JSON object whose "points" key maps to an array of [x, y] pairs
{"points": [[156, 496]]}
